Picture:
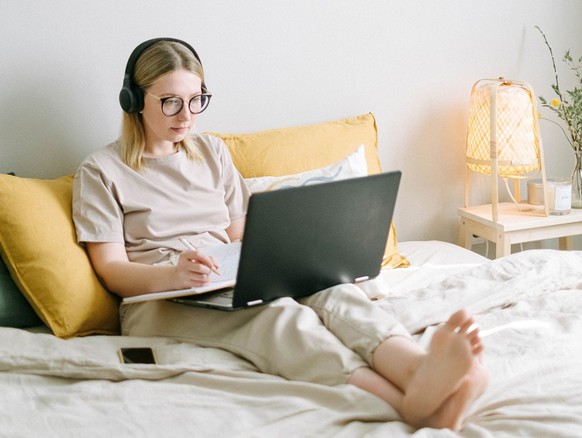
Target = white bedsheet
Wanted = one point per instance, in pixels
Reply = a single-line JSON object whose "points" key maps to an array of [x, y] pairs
{"points": [[53, 387], [430, 261]]}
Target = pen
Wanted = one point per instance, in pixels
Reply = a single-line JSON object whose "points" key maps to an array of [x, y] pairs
{"points": [[193, 248]]}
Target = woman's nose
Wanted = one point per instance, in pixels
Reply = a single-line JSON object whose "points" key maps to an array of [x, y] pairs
{"points": [[185, 113]]}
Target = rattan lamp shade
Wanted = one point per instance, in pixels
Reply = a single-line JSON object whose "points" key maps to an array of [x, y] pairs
{"points": [[503, 136]]}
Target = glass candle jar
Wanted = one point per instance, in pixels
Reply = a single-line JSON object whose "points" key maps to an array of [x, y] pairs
{"points": [[559, 193]]}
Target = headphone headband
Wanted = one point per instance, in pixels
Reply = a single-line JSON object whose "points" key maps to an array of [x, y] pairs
{"points": [[131, 96]]}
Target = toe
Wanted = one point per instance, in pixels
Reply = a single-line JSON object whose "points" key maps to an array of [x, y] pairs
{"points": [[458, 319]]}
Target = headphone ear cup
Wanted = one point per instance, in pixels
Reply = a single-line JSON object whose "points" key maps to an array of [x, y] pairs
{"points": [[131, 100], [126, 100]]}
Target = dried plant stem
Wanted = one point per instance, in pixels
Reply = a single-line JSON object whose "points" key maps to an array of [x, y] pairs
{"points": [[558, 92]]}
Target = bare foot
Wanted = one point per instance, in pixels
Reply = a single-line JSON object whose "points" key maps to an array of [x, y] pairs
{"points": [[451, 413], [441, 384]]}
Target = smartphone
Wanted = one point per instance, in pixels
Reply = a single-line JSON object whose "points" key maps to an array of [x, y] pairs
{"points": [[137, 355]]}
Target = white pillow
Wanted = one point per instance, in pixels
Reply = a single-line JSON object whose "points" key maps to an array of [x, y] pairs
{"points": [[354, 165]]}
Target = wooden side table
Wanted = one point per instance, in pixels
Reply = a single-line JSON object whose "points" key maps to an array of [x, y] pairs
{"points": [[514, 226]]}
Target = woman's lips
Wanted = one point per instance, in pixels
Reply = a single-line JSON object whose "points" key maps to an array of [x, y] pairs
{"points": [[183, 130]]}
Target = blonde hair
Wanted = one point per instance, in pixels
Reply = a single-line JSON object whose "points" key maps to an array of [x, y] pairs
{"points": [[161, 58]]}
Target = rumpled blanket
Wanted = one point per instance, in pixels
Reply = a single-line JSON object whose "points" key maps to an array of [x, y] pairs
{"points": [[529, 305]]}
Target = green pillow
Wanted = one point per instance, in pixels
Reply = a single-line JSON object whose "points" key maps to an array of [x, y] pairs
{"points": [[14, 309]]}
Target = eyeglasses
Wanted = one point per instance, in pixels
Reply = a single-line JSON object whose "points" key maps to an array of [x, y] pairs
{"points": [[173, 105]]}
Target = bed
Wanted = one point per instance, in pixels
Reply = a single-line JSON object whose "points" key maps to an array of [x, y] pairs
{"points": [[61, 374]]}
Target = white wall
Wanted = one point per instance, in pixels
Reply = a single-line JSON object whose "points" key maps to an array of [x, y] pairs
{"points": [[280, 63]]}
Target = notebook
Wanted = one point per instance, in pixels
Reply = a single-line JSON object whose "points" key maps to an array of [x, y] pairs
{"points": [[298, 241]]}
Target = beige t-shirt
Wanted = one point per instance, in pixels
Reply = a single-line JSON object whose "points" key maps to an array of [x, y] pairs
{"points": [[172, 197]]}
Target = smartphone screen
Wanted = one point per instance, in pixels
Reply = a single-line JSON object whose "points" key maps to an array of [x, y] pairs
{"points": [[137, 355]]}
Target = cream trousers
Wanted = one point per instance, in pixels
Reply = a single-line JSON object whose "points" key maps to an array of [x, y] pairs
{"points": [[321, 338]]}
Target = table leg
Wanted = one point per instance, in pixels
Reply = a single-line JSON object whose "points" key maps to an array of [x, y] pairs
{"points": [[566, 243], [502, 246], [465, 236]]}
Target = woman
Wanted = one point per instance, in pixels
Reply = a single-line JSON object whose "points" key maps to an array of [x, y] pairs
{"points": [[135, 200]]}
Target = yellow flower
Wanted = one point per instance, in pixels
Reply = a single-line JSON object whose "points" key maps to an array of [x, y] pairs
{"points": [[555, 102]]}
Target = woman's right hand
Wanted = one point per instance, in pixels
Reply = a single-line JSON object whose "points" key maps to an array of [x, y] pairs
{"points": [[126, 278], [194, 269]]}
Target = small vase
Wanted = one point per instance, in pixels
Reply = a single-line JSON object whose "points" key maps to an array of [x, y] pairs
{"points": [[577, 181]]}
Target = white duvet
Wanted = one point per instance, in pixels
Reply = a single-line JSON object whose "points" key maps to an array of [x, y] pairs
{"points": [[529, 304]]}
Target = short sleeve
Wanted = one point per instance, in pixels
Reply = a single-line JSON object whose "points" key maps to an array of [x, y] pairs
{"points": [[96, 213], [236, 192]]}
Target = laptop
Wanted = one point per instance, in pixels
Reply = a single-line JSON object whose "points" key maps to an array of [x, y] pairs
{"points": [[298, 241]]}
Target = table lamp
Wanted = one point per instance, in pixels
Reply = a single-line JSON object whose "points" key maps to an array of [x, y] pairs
{"points": [[503, 138]]}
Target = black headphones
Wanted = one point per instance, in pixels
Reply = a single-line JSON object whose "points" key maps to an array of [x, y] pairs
{"points": [[131, 96]]}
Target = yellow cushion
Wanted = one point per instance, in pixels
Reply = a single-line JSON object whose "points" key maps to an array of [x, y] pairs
{"points": [[38, 244], [285, 151]]}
